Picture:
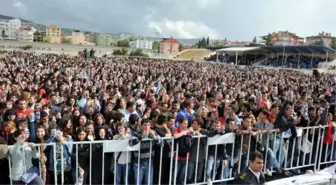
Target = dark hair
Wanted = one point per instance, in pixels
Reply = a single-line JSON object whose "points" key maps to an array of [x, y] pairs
{"points": [[255, 155], [229, 120], [145, 121], [79, 130], [246, 117], [154, 114], [183, 118], [199, 121], [129, 104], [162, 119]]}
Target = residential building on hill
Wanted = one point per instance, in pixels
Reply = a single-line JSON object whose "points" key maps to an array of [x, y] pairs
{"points": [[10, 27], [54, 33], [325, 37], [141, 43], [286, 38], [88, 37], [169, 46], [77, 32], [26, 33], [39, 36]]}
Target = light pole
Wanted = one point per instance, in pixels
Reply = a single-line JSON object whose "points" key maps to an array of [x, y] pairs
{"points": [[283, 54]]}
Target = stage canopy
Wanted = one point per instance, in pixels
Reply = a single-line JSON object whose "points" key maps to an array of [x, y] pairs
{"points": [[237, 49]]}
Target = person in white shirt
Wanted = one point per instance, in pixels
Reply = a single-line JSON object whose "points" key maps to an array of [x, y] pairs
{"points": [[123, 159]]}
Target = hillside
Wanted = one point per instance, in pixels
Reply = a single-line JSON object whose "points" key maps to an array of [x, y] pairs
{"points": [[35, 25]]}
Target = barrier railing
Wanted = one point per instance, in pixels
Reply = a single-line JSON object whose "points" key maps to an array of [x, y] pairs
{"points": [[210, 159]]}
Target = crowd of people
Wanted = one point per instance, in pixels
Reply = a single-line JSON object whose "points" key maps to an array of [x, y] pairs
{"points": [[50, 104], [295, 61]]}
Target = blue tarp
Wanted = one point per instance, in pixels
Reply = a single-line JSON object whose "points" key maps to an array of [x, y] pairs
{"points": [[299, 49]]}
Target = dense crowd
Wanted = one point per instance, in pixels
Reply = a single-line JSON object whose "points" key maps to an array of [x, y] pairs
{"points": [[56, 99], [295, 61]]}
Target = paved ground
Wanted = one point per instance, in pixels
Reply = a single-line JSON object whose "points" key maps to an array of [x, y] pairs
{"points": [[66, 48]]}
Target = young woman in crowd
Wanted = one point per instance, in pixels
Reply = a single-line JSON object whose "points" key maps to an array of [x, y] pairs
{"points": [[43, 139], [81, 155], [21, 155], [63, 150]]}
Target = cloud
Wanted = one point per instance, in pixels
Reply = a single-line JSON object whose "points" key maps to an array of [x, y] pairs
{"points": [[234, 20], [22, 9], [182, 29]]}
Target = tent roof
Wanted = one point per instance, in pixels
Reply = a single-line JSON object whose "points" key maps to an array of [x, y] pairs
{"points": [[238, 49], [298, 49]]}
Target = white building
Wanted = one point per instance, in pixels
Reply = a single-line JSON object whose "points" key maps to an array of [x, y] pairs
{"points": [[326, 38], [26, 33], [77, 32], [141, 44], [11, 28]]}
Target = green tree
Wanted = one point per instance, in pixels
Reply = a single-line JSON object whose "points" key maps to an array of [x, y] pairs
{"points": [[202, 43], [46, 39], [122, 51], [156, 46], [207, 41], [319, 43], [123, 43], [3, 34], [138, 53], [255, 40], [181, 47], [67, 41], [333, 43], [268, 39]]}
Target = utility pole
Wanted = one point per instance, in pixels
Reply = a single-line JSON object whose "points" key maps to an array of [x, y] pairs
{"points": [[157, 36]]}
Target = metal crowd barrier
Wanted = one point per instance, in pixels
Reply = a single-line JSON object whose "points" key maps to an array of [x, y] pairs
{"points": [[301, 152]]}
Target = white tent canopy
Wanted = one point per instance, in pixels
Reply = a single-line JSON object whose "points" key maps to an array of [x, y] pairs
{"points": [[236, 51]]}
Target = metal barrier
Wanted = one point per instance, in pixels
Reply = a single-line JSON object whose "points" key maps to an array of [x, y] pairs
{"points": [[202, 164]]}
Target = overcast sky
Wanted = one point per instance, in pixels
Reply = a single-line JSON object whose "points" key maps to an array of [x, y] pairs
{"points": [[232, 19]]}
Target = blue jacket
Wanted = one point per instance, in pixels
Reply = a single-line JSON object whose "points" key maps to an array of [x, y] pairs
{"points": [[67, 151]]}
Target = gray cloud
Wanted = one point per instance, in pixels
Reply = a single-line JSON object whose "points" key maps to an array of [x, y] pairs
{"points": [[235, 20]]}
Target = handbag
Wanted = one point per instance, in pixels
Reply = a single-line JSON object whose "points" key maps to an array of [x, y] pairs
{"points": [[30, 175], [306, 145]]}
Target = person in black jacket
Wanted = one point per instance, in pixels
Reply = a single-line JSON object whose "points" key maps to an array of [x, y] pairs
{"points": [[81, 156], [97, 158], [148, 138], [252, 175], [163, 159]]}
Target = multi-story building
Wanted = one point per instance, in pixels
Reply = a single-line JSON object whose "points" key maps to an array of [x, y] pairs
{"points": [[88, 37], [326, 38], [77, 32], [142, 43], [53, 33], [26, 33], [39, 36], [286, 38], [103, 39], [169, 46], [10, 28]]}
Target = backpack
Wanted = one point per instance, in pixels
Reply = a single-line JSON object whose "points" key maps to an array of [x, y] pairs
{"points": [[184, 145]]}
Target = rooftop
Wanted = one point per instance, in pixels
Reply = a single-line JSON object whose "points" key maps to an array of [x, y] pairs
{"points": [[170, 40], [53, 27], [321, 35]]}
